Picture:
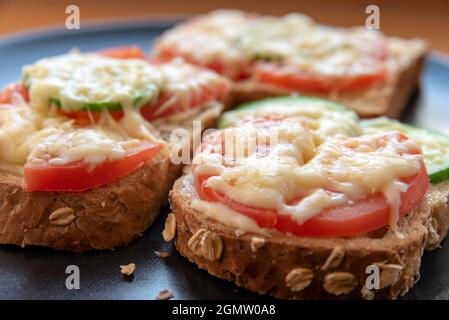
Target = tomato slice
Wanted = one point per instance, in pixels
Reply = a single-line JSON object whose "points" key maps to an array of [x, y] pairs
{"points": [[199, 97], [130, 52], [359, 217], [264, 218], [168, 54], [277, 75], [363, 216], [83, 118], [16, 88], [77, 176]]}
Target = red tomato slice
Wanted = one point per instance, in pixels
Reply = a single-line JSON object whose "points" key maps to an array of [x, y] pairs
{"points": [[77, 176], [265, 218], [218, 66], [199, 98], [365, 215], [84, 118], [16, 88], [131, 52], [276, 75]]}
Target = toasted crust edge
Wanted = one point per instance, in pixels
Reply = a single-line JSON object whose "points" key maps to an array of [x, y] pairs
{"points": [[265, 270], [105, 217]]}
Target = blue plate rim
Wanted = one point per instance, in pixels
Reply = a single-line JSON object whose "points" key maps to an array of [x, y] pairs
{"points": [[90, 26]]}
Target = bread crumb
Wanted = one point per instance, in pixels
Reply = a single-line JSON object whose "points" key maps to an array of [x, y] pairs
{"points": [[170, 228], [103, 204], [256, 243], [334, 259], [165, 295], [162, 254], [128, 269], [239, 232], [367, 294]]}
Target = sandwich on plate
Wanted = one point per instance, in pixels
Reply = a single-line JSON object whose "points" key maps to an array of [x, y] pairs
{"points": [[265, 55], [82, 162], [295, 198]]}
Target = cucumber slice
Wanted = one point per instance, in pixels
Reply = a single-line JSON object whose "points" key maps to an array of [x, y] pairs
{"points": [[82, 82], [434, 144], [91, 106], [100, 106], [95, 106], [325, 117]]}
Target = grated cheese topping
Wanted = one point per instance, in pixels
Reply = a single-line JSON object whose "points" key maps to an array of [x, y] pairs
{"points": [[301, 175], [78, 82], [236, 39]]}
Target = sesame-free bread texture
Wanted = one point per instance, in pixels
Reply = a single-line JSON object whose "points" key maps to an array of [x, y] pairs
{"points": [[290, 267], [101, 218]]}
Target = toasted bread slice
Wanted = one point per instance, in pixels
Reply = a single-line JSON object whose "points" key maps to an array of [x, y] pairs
{"points": [[438, 223], [101, 218], [405, 65], [291, 267]]}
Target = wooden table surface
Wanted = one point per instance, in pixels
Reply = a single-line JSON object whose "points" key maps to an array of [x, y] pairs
{"points": [[425, 19]]}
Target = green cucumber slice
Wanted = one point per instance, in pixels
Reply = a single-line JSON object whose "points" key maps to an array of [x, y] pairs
{"points": [[97, 106], [326, 117], [434, 144], [91, 106]]}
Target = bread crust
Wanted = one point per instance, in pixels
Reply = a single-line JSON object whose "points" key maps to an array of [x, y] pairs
{"points": [[105, 217], [388, 99], [438, 222], [265, 270]]}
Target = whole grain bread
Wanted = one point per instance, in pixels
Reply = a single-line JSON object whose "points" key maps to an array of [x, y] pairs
{"points": [[101, 218], [438, 222], [291, 267], [405, 64]]}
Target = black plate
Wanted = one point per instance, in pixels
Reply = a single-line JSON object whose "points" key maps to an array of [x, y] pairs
{"points": [[39, 273]]}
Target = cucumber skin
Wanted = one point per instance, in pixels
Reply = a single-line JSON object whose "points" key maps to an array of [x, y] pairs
{"points": [[439, 176], [100, 106], [435, 177], [290, 99], [91, 106]]}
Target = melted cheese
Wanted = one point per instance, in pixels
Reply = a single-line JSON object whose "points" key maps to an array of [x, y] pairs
{"points": [[236, 39], [185, 84], [434, 145], [92, 146], [26, 135], [79, 79], [321, 174], [317, 115], [209, 38], [76, 81], [227, 216]]}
